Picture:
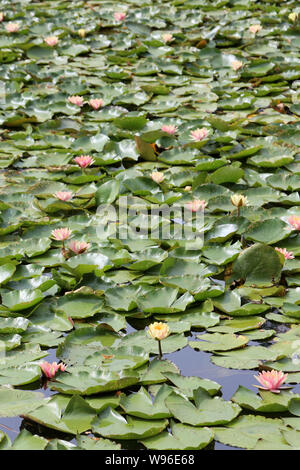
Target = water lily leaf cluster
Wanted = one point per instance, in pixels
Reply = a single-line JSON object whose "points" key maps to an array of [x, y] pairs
{"points": [[135, 107]]}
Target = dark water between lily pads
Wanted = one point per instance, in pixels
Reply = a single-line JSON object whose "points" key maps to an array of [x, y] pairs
{"points": [[188, 360]]}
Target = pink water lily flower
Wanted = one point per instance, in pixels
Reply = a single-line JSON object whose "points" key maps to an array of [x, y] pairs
{"points": [[196, 205], [199, 134], [119, 16], [75, 99], [169, 129], [294, 221], [236, 64], [78, 247], [271, 380], [167, 37], [84, 161], [61, 234], [12, 27], [1, 16], [254, 28], [64, 195], [96, 103], [51, 40], [50, 370], [286, 254]]}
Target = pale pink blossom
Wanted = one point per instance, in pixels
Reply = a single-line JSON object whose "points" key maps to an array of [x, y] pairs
{"points": [[236, 64], [196, 205], [254, 28], [169, 129], [96, 103], [1, 16], [64, 195], [50, 370], [157, 176], [286, 254], [167, 37], [51, 40], [78, 247], [84, 161], [199, 134], [61, 234], [271, 380], [294, 221], [119, 16], [75, 99], [12, 27]]}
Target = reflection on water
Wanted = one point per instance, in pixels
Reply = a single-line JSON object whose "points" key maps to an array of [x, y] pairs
{"points": [[11, 426], [197, 363]]}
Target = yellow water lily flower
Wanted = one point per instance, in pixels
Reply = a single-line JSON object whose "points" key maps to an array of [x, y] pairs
{"points": [[159, 330], [293, 16]]}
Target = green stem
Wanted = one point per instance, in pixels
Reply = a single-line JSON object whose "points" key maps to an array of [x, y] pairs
{"points": [[159, 349], [64, 252], [243, 241]]}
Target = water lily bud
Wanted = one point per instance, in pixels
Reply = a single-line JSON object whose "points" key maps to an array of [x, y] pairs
{"points": [[81, 32], [159, 330], [238, 200], [78, 247], [157, 176], [50, 369], [293, 16]]}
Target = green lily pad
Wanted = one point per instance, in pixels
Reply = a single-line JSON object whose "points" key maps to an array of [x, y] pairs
{"points": [[207, 411], [183, 437], [111, 424], [219, 342], [15, 402]]}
